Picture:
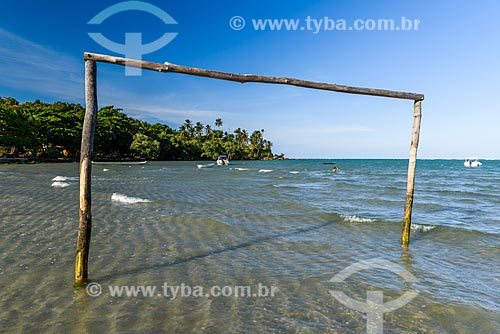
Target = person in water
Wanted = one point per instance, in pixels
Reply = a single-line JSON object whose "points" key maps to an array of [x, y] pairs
{"points": [[335, 169]]}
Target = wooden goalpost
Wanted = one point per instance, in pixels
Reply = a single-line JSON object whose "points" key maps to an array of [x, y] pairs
{"points": [[89, 123]]}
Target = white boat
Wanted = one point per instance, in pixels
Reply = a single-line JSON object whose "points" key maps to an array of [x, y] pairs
{"points": [[472, 162], [222, 160], [205, 166]]}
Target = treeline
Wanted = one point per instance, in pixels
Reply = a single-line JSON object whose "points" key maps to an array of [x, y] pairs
{"points": [[53, 131]]}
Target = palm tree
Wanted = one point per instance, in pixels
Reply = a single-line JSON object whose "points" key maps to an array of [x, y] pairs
{"points": [[208, 130], [244, 136], [199, 129], [187, 128], [218, 122]]}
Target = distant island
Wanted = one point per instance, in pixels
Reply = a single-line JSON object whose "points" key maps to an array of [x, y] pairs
{"points": [[52, 132]]}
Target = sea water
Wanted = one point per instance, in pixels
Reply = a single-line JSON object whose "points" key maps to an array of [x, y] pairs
{"points": [[288, 225]]}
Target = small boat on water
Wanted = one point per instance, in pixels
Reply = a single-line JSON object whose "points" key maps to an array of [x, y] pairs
{"points": [[205, 165], [222, 160], [472, 162]]}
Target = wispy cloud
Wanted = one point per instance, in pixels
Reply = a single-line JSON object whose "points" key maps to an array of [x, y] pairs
{"points": [[33, 67], [148, 111], [171, 108]]}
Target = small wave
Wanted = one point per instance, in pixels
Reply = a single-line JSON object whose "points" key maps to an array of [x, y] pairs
{"points": [[59, 184], [422, 228], [65, 178], [239, 168], [105, 169], [265, 170], [126, 199], [294, 172], [356, 219]]}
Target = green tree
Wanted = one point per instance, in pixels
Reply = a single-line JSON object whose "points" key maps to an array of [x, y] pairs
{"points": [[241, 139], [17, 133], [208, 131], [144, 147], [62, 124], [256, 144], [114, 133], [230, 147], [198, 128], [186, 129], [212, 148]]}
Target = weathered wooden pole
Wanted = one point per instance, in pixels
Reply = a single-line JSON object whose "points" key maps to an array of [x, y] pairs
{"points": [[415, 134], [242, 78], [89, 122]]}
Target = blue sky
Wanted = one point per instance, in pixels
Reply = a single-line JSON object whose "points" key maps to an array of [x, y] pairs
{"points": [[453, 58]]}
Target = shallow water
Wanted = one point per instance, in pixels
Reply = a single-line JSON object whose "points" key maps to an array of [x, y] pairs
{"points": [[289, 224]]}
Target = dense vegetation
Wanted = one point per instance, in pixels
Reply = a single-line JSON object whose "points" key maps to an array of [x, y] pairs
{"points": [[51, 131]]}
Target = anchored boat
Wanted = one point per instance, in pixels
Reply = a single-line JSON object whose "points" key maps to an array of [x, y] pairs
{"points": [[222, 160], [205, 166], [472, 162]]}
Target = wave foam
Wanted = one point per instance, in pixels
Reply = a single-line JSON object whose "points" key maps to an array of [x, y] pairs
{"points": [[239, 168], [294, 172], [126, 199], [59, 184], [265, 170], [422, 228], [356, 219], [65, 178]]}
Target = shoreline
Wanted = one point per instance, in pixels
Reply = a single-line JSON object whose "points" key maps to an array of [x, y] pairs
{"points": [[31, 160]]}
